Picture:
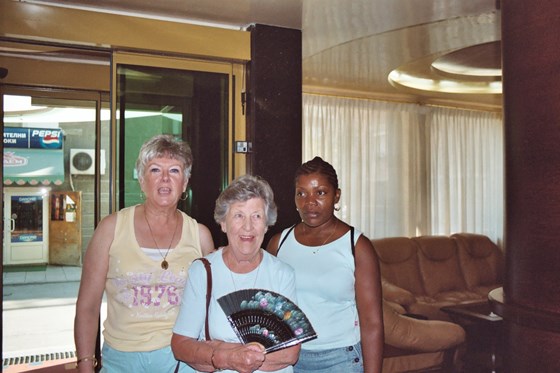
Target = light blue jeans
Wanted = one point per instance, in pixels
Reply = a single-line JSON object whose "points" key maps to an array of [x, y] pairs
{"points": [[161, 360], [337, 360]]}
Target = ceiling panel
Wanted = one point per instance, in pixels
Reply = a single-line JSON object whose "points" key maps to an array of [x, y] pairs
{"points": [[348, 45], [229, 13]]}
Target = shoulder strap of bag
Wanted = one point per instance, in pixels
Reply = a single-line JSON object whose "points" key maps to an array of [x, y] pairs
{"points": [[208, 293], [208, 297]]}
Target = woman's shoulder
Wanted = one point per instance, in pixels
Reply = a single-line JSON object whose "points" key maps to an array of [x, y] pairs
{"points": [[289, 229], [127, 210], [276, 264], [198, 266], [349, 230], [124, 214], [108, 222], [214, 257], [187, 218]]}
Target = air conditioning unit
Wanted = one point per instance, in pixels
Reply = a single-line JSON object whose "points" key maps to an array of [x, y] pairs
{"points": [[82, 162]]}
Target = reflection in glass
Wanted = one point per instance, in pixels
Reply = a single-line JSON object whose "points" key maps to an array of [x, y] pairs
{"points": [[192, 105], [27, 218]]}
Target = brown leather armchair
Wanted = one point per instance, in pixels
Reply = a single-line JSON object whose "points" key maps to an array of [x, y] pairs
{"points": [[415, 345]]}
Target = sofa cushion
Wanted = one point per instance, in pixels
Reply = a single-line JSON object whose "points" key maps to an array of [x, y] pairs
{"points": [[395, 250], [399, 262], [439, 265], [430, 308], [481, 262], [396, 294]]}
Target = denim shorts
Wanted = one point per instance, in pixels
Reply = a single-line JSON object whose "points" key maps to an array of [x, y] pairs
{"points": [[162, 360], [337, 360]]}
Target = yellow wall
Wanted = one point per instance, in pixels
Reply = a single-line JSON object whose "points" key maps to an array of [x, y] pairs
{"points": [[34, 72], [56, 47], [24, 21]]}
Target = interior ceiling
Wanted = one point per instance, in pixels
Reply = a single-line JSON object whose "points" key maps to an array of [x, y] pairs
{"points": [[350, 47]]}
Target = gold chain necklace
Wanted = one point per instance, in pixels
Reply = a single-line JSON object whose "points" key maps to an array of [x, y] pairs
{"points": [[164, 264], [325, 241]]}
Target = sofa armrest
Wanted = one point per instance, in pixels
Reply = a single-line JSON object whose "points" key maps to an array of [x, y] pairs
{"points": [[395, 306], [392, 351], [396, 294], [419, 335]]}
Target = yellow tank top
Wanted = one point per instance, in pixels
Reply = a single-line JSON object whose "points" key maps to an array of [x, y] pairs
{"points": [[142, 298]]}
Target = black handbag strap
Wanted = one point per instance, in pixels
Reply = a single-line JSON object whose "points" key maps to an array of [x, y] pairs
{"points": [[208, 294], [208, 297]]}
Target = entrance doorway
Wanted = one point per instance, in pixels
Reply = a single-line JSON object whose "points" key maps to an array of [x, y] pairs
{"points": [[189, 105], [49, 216], [94, 176]]}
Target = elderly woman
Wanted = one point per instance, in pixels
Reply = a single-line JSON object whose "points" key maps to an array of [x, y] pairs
{"points": [[140, 257], [244, 210]]}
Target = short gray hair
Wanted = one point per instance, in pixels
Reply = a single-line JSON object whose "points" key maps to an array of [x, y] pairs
{"points": [[243, 189], [164, 146]]}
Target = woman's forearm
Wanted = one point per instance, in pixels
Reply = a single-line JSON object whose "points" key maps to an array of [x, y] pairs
{"points": [[198, 354], [86, 326], [372, 350], [280, 359], [216, 355]]}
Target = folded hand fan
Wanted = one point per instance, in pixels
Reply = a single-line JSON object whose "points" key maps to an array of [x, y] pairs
{"points": [[266, 317]]}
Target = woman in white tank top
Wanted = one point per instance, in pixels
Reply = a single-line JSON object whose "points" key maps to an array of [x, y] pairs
{"points": [[337, 278]]}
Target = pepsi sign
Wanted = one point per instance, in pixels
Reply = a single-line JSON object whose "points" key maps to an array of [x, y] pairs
{"points": [[33, 138]]}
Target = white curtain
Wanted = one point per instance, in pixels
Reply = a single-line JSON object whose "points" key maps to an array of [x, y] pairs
{"points": [[466, 172], [395, 169], [373, 147]]}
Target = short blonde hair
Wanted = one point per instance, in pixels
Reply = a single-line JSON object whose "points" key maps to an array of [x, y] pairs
{"points": [[164, 146]]}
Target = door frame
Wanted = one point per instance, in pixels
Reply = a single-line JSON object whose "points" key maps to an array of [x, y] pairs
{"points": [[237, 162]]}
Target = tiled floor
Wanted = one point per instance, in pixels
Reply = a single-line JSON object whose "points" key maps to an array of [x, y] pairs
{"points": [[38, 315], [51, 274]]}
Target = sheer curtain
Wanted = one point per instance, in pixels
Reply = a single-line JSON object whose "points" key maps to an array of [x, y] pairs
{"points": [[407, 170], [466, 172], [374, 148]]}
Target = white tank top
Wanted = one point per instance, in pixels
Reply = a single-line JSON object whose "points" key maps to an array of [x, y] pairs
{"points": [[325, 289]]}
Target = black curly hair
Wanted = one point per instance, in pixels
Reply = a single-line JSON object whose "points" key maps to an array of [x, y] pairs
{"points": [[318, 165]]}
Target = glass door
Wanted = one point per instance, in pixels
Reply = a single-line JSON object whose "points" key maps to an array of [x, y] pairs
{"points": [[49, 216], [176, 97], [26, 233], [47, 136]]}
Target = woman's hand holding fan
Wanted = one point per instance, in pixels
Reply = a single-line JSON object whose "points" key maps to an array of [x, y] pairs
{"points": [[266, 317]]}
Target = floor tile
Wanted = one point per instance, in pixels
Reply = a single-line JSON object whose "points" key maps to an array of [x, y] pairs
{"points": [[35, 277]]}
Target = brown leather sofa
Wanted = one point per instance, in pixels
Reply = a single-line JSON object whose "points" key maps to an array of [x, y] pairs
{"points": [[419, 276], [423, 274]]}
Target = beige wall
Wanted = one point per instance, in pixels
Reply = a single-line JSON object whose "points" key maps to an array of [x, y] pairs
{"points": [[104, 31]]}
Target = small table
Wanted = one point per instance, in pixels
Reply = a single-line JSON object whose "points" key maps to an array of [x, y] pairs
{"points": [[484, 334]]}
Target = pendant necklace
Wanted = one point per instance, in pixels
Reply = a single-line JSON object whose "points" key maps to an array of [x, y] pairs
{"points": [[254, 282], [316, 250], [164, 263]]}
